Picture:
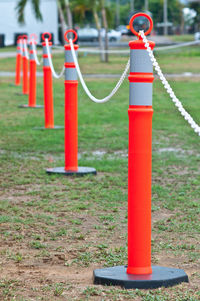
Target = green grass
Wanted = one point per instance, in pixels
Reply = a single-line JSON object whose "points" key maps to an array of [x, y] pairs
{"points": [[182, 38], [56, 230], [188, 61]]}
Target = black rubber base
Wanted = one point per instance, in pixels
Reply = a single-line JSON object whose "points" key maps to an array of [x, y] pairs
{"points": [[161, 276], [56, 127], [81, 171], [28, 107]]}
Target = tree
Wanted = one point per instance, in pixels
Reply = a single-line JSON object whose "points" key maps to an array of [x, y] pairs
{"points": [[196, 7], [63, 6], [174, 11], [65, 14], [21, 6], [80, 8]]}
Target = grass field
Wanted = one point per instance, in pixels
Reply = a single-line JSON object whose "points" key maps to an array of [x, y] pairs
{"points": [[56, 230]]}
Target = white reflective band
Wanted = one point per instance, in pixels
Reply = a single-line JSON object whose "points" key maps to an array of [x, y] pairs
{"points": [[51, 64], [46, 62], [83, 82], [70, 74], [140, 61], [25, 49], [167, 86], [69, 57], [140, 94]]}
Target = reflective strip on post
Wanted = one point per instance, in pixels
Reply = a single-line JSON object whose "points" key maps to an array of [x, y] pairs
{"points": [[45, 55], [140, 94], [31, 57], [140, 61], [70, 70]]}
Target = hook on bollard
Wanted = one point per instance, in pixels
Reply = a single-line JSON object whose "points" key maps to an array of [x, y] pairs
{"points": [[141, 15], [49, 36], [75, 35]]}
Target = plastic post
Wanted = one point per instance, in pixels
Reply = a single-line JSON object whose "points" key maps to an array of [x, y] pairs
{"points": [[71, 109], [48, 86], [32, 78], [71, 118], [139, 273], [25, 68], [140, 114], [18, 62]]}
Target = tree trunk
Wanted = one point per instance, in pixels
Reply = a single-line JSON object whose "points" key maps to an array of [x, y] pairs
{"points": [[96, 18], [62, 21], [69, 15], [105, 24]]}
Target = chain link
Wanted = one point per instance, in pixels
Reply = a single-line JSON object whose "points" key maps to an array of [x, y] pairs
{"points": [[167, 86], [51, 64], [83, 82]]}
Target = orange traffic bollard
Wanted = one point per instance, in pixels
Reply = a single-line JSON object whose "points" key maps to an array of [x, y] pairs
{"points": [[18, 61], [71, 117], [48, 88], [32, 76], [139, 273], [25, 65], [48, 85]]}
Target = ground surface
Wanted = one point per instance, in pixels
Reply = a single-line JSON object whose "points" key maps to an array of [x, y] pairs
{"points": [[56, 230]]}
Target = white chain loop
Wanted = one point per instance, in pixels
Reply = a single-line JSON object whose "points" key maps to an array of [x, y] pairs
{"points": [[51, 64], [167, 86], [83, 82]]}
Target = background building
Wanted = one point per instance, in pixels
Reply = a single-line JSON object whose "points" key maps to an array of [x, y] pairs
{"points": [[10, 28]]}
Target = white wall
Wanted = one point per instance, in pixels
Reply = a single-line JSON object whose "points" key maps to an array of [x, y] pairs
{"points": [[9, 25]]}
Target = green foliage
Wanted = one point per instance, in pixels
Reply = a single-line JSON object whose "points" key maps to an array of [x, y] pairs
{"points": [[174, 11], [21, 6]]}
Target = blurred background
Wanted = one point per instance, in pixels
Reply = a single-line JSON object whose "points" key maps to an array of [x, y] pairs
{"points": [[96, 20]]}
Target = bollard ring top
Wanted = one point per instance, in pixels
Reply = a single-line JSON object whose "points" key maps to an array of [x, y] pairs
{"points": [[140, 15], [33, 36], [49, 36], [25, 37], [75, 35]]}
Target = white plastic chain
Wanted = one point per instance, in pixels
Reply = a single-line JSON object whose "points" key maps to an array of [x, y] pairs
{"points": [[25, 48], [51, 64], [167, 86], [35, 54], [83, 82]]}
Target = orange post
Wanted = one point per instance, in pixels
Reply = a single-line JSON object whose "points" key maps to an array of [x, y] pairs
{"points": [[32, 77], [71, 125], [48, 85], [139, 159], [25, 66], [139, 190], [71, 117], [139, 273], [71, 110], [18, 61]]}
